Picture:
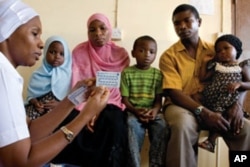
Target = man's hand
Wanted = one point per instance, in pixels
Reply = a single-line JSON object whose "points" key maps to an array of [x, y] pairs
{"points": [[215, 121]]}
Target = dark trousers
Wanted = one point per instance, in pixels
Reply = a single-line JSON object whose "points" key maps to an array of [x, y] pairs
{"points": [[106, 147]]}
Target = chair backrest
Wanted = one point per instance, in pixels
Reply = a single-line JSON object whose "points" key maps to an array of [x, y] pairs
{"points": [[247, 103]]}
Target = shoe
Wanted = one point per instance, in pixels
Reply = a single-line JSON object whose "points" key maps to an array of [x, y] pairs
{"points": [[207, 145]]}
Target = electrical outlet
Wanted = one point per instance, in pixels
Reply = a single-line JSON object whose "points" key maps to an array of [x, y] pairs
{"points": [[116, 34]]}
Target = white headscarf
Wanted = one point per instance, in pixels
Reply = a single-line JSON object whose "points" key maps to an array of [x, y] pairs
{"points": [[13, 13]]}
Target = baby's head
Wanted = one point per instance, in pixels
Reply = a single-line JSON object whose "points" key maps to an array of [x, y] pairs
{"points": [[232, 40], [144, 51]]}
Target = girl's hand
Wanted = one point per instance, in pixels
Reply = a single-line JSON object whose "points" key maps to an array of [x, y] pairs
{"points": [[49, 105], [38, 105]]}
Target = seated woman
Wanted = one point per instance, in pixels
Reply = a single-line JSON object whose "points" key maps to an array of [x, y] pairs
{"points": [[103, 143]]}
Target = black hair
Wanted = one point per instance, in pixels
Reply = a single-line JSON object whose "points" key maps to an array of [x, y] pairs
{"points": [[233, 40], [185, 7], [146, 38]]}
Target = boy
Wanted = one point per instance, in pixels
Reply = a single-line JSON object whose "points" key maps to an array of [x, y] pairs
{"points": [[141, 93]]}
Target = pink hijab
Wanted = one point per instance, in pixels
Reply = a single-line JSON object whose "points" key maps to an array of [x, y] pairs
{"points": [[88, 59]]}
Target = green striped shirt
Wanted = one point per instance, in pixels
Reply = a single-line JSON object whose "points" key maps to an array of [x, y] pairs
{"points": [[141, 86]]}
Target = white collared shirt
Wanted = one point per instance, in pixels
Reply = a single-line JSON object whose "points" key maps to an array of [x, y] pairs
{"points": [[13, 125]]}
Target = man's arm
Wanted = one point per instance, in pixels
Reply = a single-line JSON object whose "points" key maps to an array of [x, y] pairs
{"points": [[25, 153], [211, 119]]}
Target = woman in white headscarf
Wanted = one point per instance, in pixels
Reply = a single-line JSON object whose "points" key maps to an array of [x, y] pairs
{"points": [[25, 143]]}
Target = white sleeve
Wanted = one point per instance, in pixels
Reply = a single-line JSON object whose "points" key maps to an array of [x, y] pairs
{"points": [[13, 125]]}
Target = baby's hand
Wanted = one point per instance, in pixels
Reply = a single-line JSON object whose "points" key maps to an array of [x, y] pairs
{"points": [[207, 58], [232, 87]]}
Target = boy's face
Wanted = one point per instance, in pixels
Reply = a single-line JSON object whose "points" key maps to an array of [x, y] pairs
{"points": [[145, 53], [225, 52], [186, 24], [55, 54]]}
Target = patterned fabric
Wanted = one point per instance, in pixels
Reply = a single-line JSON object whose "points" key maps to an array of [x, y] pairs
{"points": [[31, 111], [216, 96], [141, 86]]}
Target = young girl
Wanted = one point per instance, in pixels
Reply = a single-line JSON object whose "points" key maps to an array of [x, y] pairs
{"points": [[50, 83], [227, 80]]}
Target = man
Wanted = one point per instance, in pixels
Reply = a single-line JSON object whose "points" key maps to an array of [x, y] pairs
{"points": [[180, 65]]}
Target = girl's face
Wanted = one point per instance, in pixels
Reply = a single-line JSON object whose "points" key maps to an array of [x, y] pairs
{"points": [[98, 33], [55, 54], [25, 44], [225, 52], [145, 53]]}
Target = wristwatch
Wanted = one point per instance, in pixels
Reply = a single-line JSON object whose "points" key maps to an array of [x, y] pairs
{"points": [[68, 134], [197, 113], [198, 110]]}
